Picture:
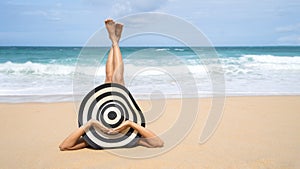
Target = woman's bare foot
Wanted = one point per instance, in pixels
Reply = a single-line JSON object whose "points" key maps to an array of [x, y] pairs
{"points": [[111, 29], [118, 32]]}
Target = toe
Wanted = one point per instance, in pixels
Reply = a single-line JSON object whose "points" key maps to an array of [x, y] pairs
{"points": [[108, 21]]}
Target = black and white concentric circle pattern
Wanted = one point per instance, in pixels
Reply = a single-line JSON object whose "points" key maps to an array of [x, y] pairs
{"points": [[110, 104]]}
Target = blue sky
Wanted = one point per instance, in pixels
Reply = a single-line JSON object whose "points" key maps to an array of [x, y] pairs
{"points": [[224, 22]]}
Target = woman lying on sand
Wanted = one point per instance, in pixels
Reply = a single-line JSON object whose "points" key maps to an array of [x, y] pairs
{"points": [[114, 73]]}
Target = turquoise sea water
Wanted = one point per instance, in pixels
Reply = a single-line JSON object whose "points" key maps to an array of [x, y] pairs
{"points": [[45, 74]]}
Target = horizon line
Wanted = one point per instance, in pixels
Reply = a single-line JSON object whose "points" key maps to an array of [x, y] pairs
{"points": [[151, 46]]}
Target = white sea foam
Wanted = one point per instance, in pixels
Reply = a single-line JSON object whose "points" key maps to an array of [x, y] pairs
{"points": [[179, 49], [162, 49], [273, 59], [270, 62], [144, 75], [35, 69]]}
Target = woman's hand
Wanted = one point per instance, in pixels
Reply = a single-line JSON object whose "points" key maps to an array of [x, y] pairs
{"points": [[97, 126], [120, 128]]}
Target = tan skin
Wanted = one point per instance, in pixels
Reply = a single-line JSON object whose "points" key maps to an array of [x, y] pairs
{"points": [[114, 74]]}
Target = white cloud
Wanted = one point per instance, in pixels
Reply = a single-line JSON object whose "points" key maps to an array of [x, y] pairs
{"points": [[44, 9], [18, 3], [53, 15], [289, 28], [290, 34], [290, 39], [224, 21], [124, 7]]}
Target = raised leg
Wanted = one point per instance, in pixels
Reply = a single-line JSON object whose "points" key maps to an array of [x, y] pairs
{"points": [[118, 60], [118, 76], [114, 30], [109, 67]]}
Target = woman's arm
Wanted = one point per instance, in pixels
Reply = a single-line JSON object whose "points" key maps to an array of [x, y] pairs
{"points": [[149, 139], [74, 140]]}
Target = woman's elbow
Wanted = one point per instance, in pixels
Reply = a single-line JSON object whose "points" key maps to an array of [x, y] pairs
{"points": [[62, 148], [159, 143]]}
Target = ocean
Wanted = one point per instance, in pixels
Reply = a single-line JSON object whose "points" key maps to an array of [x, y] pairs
{"points": [[46, 74]]}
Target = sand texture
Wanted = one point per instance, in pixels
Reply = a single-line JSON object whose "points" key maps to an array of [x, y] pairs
{"points": [[255, 132]]}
